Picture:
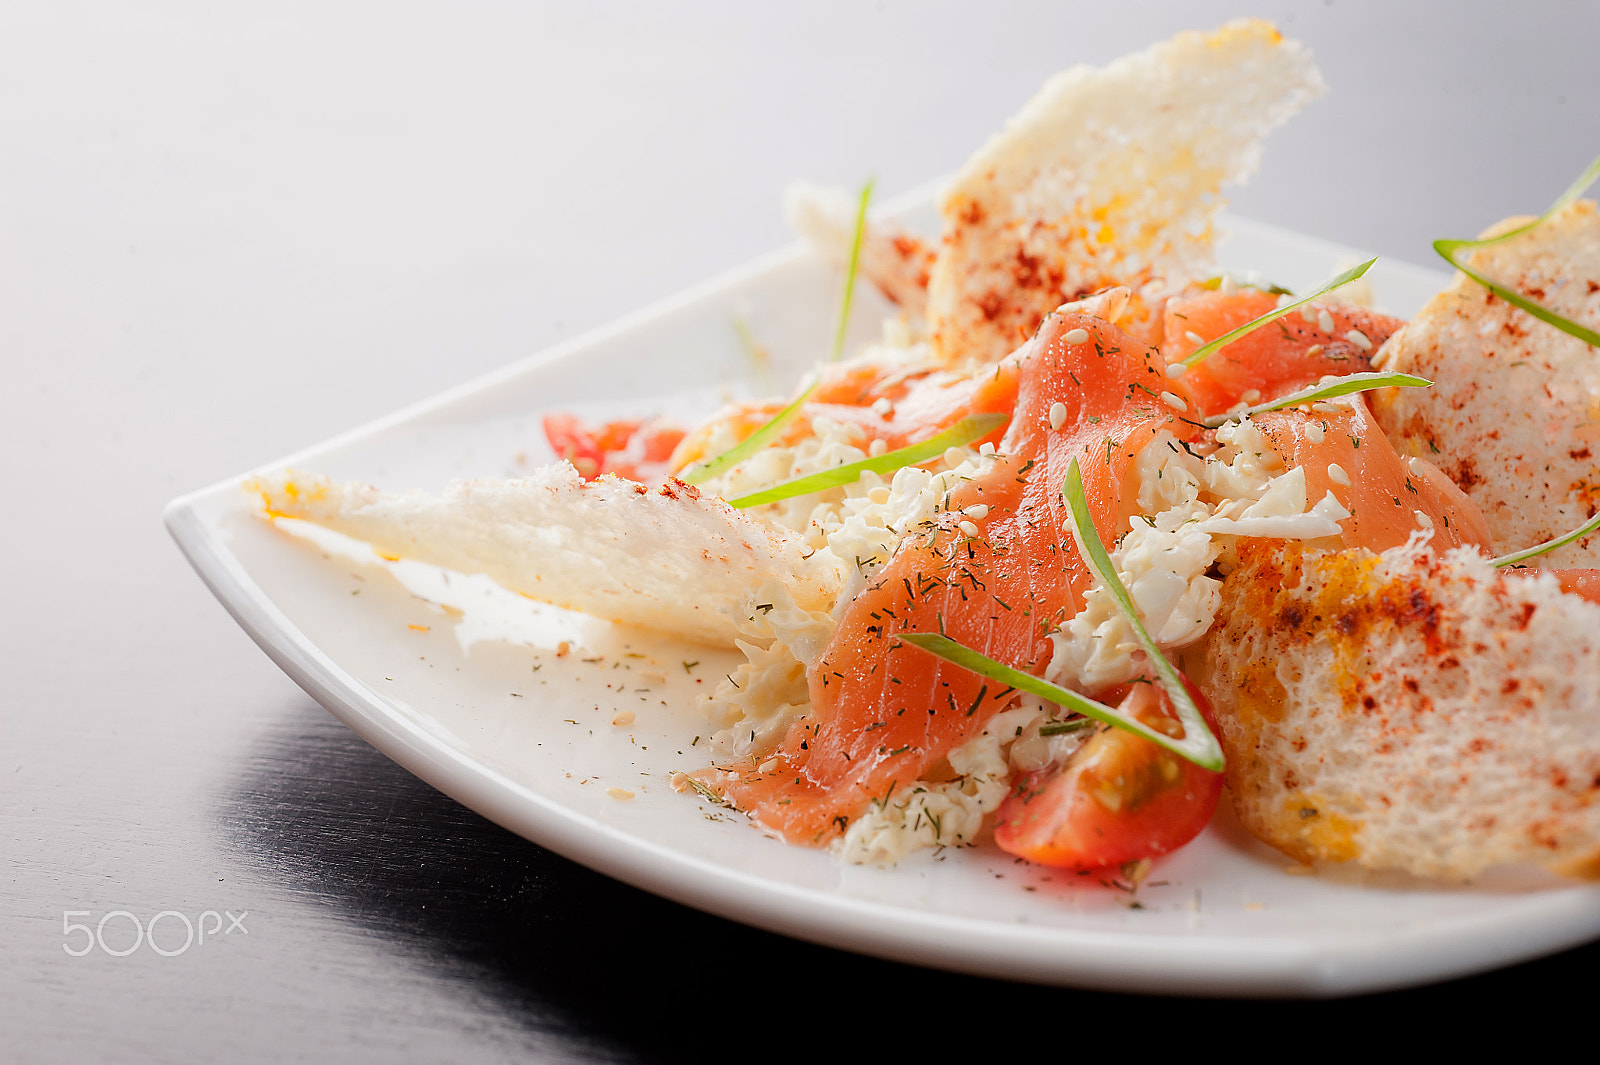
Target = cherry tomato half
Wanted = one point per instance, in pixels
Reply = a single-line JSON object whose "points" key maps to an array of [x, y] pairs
{"points": [[637, 450], [1119, 798]]}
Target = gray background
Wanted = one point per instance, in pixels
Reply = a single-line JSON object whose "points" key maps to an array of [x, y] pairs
{"points": [[227, 231]]}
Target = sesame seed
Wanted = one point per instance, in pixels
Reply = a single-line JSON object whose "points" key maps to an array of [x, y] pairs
{"points": [[1359, 339], [1227, 286], [877, 447], [620, 794], [623, 719], [879, 495], [1058, 415], [1337, 475], [968, 529], [1308, 313], [1416, 467], [978, 511], [1422, 519], [882, 406], [1313, 351], [771, 765], [1251, 395], [1195, 337], [1325, 408], [954, 456], [1176, 370], [1076, 336], [1173, 401], [1314, 432], [1325, 321]]}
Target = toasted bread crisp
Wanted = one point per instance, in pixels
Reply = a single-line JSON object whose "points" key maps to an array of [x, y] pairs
{"points": [[1407, 712], [668, 558], [1108, 177], [1513, 416]]}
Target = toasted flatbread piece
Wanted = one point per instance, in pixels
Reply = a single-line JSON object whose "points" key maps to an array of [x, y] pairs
{"points": [[667, 558], [1407, 712], [894, 260], [1513, 416], [1108, 176]]}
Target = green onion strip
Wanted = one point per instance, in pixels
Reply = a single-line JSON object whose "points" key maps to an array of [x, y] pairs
{"points": [[1206, 350], [1451, 251], [759, 359], [850, 271], [703, 471], [1198, 744], [961, 433], [1344, 386], [1549, 545], [984, 666]]}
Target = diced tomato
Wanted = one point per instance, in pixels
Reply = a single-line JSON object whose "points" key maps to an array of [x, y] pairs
{"points": [[1119, 798], [637, 450]]}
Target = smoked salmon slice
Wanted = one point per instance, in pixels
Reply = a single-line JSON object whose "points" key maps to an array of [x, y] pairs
{"points": [[1295, 351], [885, 402], [885, 714], [1344, 452], [1584, 582]]}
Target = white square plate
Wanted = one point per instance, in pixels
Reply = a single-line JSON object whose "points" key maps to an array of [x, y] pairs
{"points": [[466, 686]]}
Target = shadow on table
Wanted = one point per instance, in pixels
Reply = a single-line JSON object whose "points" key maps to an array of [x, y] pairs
{"points": [[575, 954]]}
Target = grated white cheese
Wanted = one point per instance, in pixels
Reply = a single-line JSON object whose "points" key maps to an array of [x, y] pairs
{"points": [[753, 707], [946, 814], [1185, 505]]}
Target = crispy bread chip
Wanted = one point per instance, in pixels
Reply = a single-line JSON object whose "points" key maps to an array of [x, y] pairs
{"points": [[1407, 712], [667, 558], [1513, 416], [1108, 176]]}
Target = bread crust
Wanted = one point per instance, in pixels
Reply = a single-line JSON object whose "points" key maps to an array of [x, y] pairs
{"points": [[1513, 416], [1407, 712]]}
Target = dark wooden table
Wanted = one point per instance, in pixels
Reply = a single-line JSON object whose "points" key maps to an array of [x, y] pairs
{"points": [[225, 234]]}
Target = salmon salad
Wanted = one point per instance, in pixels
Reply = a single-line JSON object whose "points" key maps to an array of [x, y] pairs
{"points": [[1098, 536]]}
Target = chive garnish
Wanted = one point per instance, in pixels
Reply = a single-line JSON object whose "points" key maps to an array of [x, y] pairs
{"points": [[1250, 279], [1205, 351], [1344, 386], [984, 666], [1549, 545], [759, 358], [963, 432], [1198, 744], [704, 471], [1451, 249], [1061, 728], [850, 270]]}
